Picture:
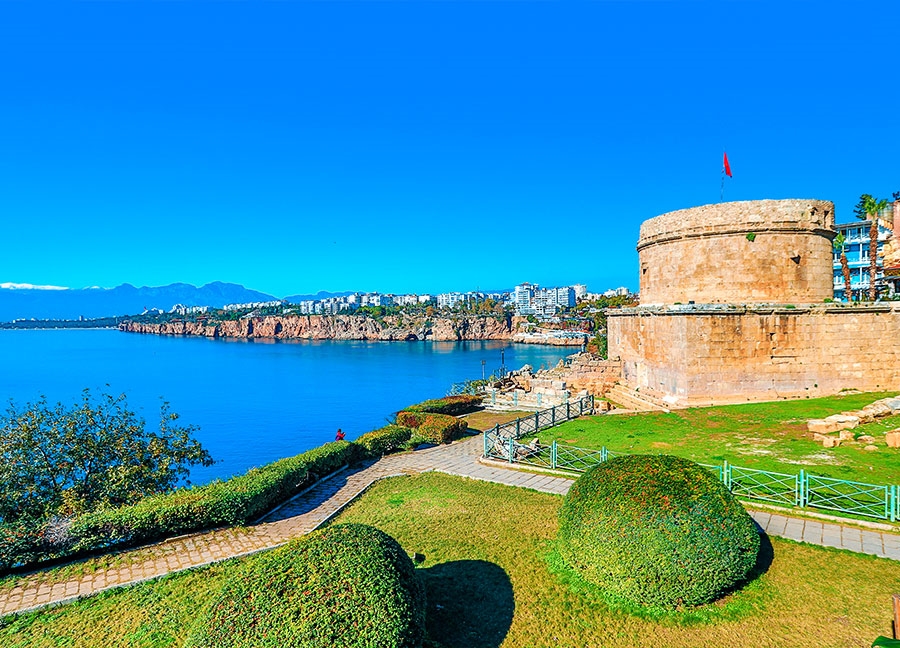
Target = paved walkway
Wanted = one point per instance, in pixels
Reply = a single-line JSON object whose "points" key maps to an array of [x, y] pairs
{"points": [[310, 509]]}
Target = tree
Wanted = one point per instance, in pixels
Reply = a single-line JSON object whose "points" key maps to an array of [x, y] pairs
{"points": [[59, 460], [839, 246], [869, 208]]}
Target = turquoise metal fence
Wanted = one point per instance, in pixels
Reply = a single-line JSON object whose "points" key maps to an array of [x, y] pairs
{"points": [[803, 490], [852, 497], [779, 488], [541, 419]]}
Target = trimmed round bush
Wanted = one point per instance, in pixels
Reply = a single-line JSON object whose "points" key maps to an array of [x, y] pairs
{"points": [[657, 530], [348, 585]]}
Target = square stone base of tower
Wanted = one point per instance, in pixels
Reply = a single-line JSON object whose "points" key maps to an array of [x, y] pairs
{"points": [[714, 354]]}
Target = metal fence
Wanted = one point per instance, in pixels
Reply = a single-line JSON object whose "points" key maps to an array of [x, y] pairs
{"points": [[802, 490], [540, 420]]}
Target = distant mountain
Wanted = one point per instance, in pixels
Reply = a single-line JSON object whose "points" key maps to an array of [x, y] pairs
{"points": [[322, 294], [22, 301]]}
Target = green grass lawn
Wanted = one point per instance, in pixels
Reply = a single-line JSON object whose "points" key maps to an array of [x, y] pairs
{"points": [[492, 580], [765, 436]]}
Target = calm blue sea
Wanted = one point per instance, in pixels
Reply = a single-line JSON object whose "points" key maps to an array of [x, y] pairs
{"points": [[254, 401]]}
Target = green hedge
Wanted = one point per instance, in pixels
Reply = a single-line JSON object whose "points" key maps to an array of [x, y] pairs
{"points": [[383, 440], [238, 500], [657, 530], [349, 585], [452, 405], [436, 428]]}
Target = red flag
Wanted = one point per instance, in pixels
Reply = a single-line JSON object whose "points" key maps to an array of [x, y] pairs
{"points": [[727, 166]]}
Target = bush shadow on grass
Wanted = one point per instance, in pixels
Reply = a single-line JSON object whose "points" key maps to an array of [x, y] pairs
{"points": [[470, 604], [763, 559]]}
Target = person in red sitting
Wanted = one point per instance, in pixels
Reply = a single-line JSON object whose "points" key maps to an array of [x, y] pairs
{"points": [[339, 436]]}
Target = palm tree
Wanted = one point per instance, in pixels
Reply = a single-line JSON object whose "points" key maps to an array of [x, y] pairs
{"points": [[839, 246], [869, 207]]}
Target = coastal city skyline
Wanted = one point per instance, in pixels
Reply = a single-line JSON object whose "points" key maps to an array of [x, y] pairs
{"points": [[26, 303], [296, 147]]}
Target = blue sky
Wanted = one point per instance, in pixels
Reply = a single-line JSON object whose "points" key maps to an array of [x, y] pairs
{"points": [[419, 146]]}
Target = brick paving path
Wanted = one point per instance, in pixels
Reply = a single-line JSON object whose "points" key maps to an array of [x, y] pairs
{"points": [[310, 509]]}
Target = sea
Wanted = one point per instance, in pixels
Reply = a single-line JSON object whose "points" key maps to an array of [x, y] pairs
{"points": [[254, 401]]}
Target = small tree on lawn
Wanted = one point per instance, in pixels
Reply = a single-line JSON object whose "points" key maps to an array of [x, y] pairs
{"points": [[56, 459], [869, 208]]}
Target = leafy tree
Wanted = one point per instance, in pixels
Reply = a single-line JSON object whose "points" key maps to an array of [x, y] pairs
{"points": [[59, 460], [869, 208], [839, 244]]}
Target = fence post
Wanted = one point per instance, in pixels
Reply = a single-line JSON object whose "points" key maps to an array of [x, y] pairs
{"points": [[485, 435], [799, 494], [553, 415], [894, 512], [553, 454], [512, 450], [726, 475], [603, 454], [895, 598], [567, 409], [517, 430], [537, 422]]}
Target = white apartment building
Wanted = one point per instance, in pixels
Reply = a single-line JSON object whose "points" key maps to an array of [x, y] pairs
{"points": [[449, 300], [530, 299]]}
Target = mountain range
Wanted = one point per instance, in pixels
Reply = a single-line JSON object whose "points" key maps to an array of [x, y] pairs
{"points": [[22, 301]]}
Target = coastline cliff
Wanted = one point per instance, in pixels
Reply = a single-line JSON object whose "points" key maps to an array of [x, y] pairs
{"points": [[338, 327]]}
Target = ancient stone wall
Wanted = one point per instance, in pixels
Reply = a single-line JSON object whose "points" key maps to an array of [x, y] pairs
{"points": [[583, 372], [591, 373], [727, 354], [762, 251]]}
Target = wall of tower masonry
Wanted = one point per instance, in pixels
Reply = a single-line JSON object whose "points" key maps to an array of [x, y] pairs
{"points": [[763, 251], [699, 355]]}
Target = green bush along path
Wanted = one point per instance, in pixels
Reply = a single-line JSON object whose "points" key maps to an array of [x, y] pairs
{"points": [[312, 508], [657, 530], [764, 436], [348, 585]]}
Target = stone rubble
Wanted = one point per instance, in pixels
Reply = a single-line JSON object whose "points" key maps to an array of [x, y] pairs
{"points": [[823, 430]]}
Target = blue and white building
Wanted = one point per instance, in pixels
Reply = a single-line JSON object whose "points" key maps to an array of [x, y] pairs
{"points": [[856, 247]]}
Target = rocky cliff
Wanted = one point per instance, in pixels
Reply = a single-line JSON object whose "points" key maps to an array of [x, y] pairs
{"points": [[338, 327]]}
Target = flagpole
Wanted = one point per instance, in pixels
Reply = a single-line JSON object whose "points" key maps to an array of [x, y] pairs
{"points": [[726, 171]]}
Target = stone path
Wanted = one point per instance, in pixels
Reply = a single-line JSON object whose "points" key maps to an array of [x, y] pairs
{"points": [[310, 509]]}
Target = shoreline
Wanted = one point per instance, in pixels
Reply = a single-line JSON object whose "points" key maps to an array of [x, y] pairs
{"points": [[59, 328], [397, 328]]}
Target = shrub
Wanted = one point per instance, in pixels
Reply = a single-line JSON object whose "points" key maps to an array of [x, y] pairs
{"points": [[221, 503], [452, 405], [95, 453], [436, 428], [383, 440], [348, 585], [656, 530]]}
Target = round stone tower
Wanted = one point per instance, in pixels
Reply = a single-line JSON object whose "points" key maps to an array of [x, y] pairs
{"points": [[758, 251]]}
